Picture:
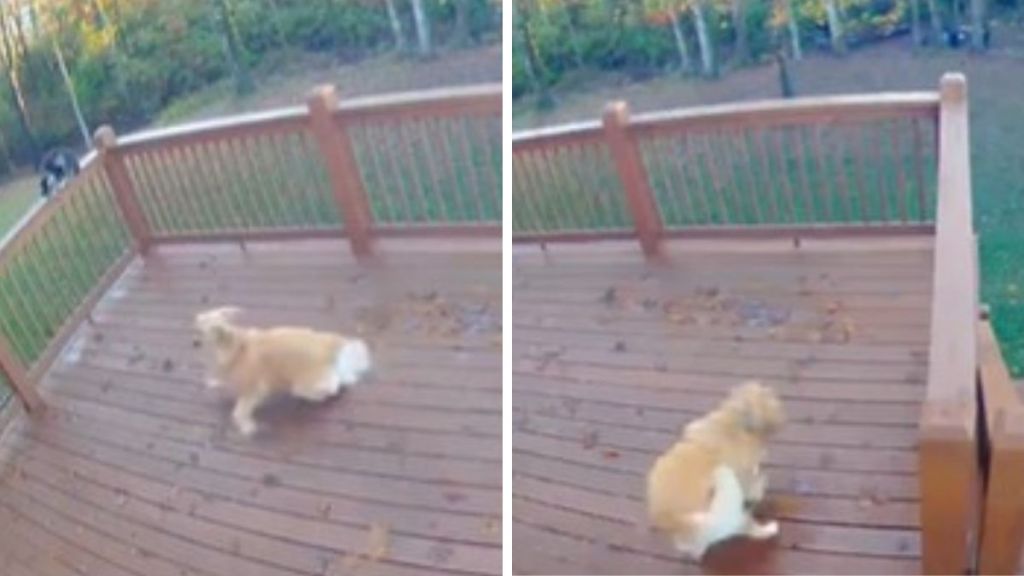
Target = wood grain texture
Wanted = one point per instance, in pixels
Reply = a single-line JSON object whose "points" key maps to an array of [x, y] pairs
{"points": [[612, 354], [134, 470]]}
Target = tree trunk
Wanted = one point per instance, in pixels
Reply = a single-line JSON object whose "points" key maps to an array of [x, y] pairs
{"points": [[70, 86], [7, 54], [677, 31], [275, 16], [19, 30], [835, 27], [461, 33], [531, 63], [234, 50], [739, 20], [915, 22], [419, 13], [785, 79], [955, 15], [978, 25], [936, 21], [574, 37], [707, 55], [794, 30], [396, 26]]}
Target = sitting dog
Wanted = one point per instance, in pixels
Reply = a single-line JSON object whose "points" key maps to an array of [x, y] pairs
{"points": [[254, 363], [700, 490], [58, 167]]}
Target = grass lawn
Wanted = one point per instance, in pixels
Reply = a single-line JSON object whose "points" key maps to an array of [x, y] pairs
{"points": [[996, 82], [16, 196]]}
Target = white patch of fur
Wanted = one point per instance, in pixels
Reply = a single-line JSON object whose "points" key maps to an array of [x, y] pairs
{"points": [[725, 518], [352, 363]]}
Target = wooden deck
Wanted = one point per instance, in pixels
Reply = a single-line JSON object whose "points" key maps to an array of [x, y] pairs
{"points": [[613, 356], [134, 469]]}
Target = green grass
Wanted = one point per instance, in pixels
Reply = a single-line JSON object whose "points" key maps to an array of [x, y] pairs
{"points": [[16, 197]]}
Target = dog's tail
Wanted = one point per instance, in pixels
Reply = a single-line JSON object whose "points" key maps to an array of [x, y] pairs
{"points": [[352, 362]]}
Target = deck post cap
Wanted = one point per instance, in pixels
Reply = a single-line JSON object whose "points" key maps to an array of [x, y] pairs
{"points": [[953, 87], [616, 111], [105, 137], [323, 94]]}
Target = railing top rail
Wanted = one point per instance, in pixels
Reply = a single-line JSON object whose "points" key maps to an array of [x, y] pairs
{"points": [[459, 101], [952, 361], [809, 110], [293, 115], [566, 131]]}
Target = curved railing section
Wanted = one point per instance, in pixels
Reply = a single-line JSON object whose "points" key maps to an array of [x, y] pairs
{"points": [[417, 164]]}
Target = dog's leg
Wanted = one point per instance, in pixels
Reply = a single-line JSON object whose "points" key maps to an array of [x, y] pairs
{"points": [[243, 412], [758, 487], [759, 531]]}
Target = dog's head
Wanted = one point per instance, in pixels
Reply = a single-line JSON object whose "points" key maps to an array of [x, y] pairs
{"points": [[758, 408], [216, 327]]}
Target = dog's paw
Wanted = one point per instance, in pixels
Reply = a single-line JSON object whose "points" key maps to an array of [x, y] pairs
{"points": [[246, 427], [763, 531]]}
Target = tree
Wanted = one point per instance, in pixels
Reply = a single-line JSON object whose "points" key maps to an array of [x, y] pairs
{"points": [[460, 36], [739, 19], [11, 64], [233, 49], [70, 86], [794, 29], [685, 63], [835, 26], [915, 22], [936, 21], [978, 25], [707, 50], [531, 61], [396, 25], [419, 13]]}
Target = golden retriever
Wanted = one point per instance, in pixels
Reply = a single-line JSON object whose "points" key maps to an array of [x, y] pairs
{"points": [[699, 491], [254, 363]]}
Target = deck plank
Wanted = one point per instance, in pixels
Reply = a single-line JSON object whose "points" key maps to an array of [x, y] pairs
{"points": [[612, 355], [136, 471]]}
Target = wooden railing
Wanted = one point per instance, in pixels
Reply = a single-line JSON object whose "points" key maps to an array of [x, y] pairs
{"points": [[427, 163], [1002, 525], [948, 452], [888, 163], [831, 164], [53, 267]]}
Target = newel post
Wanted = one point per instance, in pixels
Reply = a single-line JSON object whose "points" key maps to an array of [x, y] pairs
{"points": [[127, 200], [633, 175], [948, 460], [342, 168], [16, 374]]}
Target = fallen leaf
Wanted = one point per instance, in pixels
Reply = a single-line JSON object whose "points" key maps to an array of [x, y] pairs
{"points": [[167, 365], [492, 526], [620, 346], [270, 480], [590, 439], [611, 454], [609, 296], [325, 510]]}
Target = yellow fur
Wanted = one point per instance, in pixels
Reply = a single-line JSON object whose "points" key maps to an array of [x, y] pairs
{"points": [[252, 363], [680, 484]]}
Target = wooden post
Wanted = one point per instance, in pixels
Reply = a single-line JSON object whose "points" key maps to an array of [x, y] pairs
{"points": [[124, 191], [1002, 526], [948, 468], [16, 374], [340, 159], [630, 167]]}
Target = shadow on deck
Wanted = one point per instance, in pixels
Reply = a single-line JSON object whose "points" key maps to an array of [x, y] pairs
{"points": [[135, 470], [613, 356]]}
